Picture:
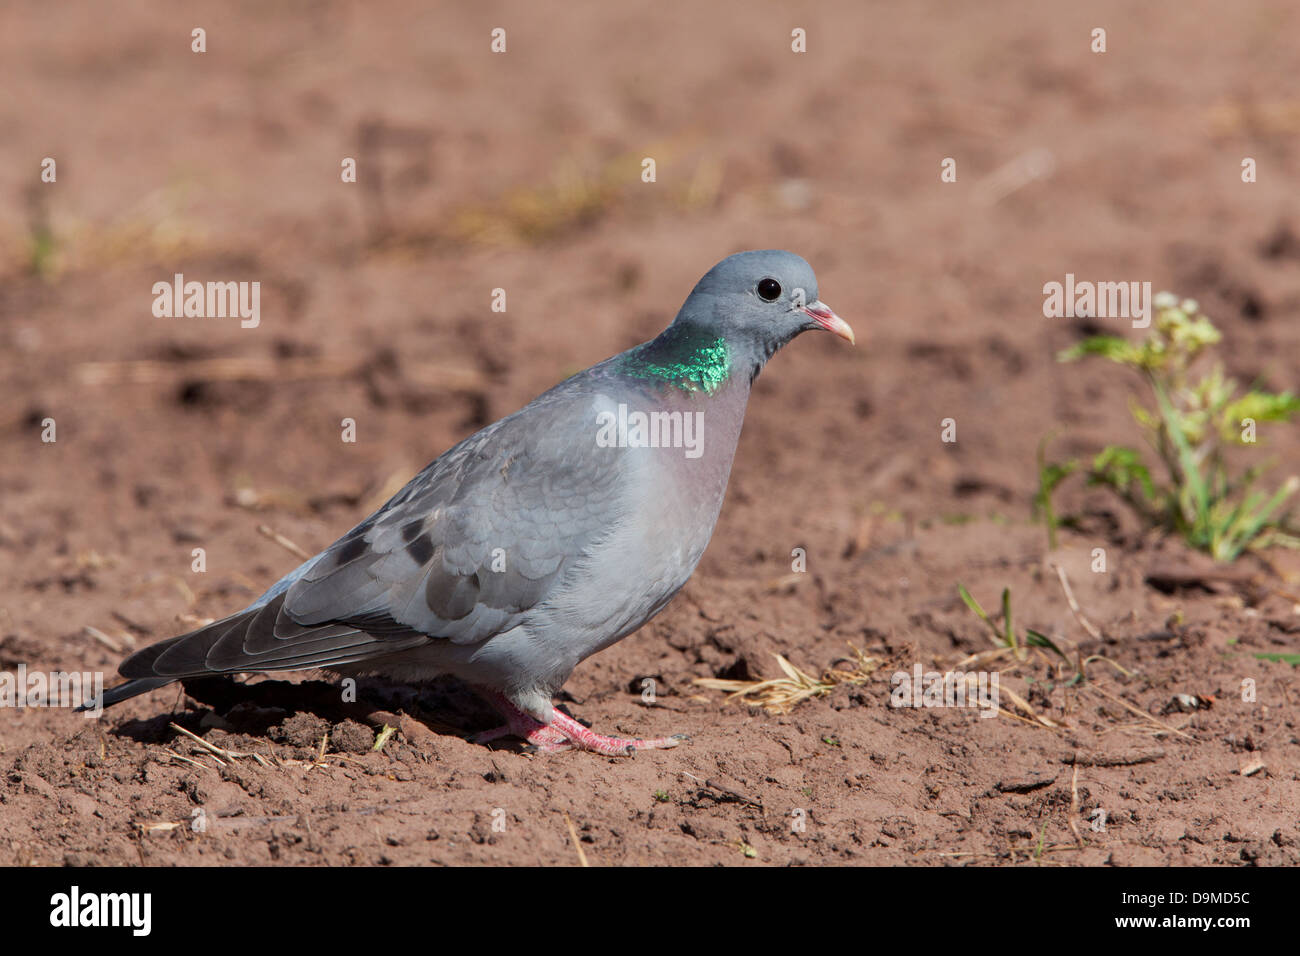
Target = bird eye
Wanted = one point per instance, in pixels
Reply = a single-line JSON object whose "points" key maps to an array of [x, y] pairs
{"points": [[769, 290]]}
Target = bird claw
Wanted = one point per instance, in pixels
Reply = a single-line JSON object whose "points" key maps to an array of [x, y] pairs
{"points": [[564, 733]]}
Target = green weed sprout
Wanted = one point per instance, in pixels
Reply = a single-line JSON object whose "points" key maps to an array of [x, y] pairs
{"points": [[1192, 424], [1006, 637]]}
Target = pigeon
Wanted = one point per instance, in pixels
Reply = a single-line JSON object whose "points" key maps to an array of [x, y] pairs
{"points": [[541, 539]]}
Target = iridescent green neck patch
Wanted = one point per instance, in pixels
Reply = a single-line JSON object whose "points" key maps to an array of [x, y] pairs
{"points": [[685, 358]]}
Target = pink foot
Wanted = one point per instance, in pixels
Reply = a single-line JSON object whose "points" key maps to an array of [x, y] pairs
{"points": [[584, 738], [544, 738], [565, 733]]}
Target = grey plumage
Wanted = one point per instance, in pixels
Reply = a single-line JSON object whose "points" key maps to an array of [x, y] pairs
{"points": [[529, 545]]}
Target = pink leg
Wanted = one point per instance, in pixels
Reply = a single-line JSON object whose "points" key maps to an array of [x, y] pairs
{"points": [[565, 733]]}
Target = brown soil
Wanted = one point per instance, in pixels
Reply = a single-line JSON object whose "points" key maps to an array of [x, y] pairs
{"points": [[522, 171]]}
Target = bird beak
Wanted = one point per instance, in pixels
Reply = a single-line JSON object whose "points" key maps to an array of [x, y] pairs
{"points": [[826, 318]]}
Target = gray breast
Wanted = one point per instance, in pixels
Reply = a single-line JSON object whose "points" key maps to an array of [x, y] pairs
{"points": [[675, 495]]}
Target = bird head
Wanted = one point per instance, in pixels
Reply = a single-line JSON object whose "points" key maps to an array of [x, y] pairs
{"points": [[759, 301]]}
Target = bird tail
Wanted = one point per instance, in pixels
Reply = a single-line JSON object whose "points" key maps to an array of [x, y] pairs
{"points": [[258, 639], [132, 688]]}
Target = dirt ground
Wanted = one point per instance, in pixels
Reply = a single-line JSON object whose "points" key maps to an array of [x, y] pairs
{"points": [[522, 171]]}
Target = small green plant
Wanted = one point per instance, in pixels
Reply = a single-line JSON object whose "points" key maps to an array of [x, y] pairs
{"points": [[1038, 850], [1006, 637], [1292, 659], [42, 251], [1195, 420], [661, 796], [1049, 476]]}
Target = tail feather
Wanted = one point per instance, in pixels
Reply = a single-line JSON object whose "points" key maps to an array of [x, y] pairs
{"points": [[262, 638], [132, 688]]}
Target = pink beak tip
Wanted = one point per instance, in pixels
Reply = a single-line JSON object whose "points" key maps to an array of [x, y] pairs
{"points": [[825, 317]]}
